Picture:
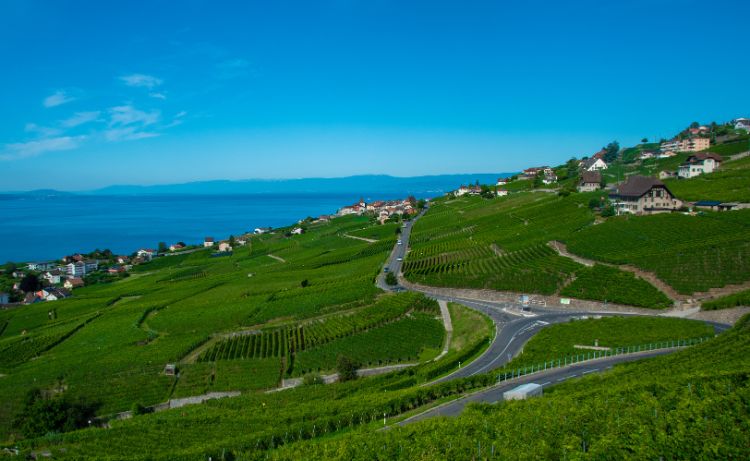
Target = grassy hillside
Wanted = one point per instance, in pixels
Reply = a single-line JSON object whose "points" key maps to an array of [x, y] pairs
{"points": [[108, 344]]}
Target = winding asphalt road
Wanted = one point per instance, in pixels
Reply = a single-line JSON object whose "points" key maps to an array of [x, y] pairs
{"points": [[514, 326]]}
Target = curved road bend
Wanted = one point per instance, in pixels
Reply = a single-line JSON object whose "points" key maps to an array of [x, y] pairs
{"points": [[544, 378], [513, 326]]}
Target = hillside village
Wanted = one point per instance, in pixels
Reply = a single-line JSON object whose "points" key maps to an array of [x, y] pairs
{"points": [[633, 178]]}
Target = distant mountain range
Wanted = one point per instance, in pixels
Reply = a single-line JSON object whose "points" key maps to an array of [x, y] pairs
{"points": [[364, 184]]}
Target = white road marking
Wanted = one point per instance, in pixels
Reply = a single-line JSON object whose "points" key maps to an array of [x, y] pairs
{"points": [[590, 371]]}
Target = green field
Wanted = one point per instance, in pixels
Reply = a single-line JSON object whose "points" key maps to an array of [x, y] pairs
{"points": [[606, 283]]}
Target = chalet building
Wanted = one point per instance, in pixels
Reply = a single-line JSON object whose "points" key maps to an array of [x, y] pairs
{"points": [[502, 192], [644, 195], [590, 181], [225, 247], [208, 242], [698, 164], [502, 181], [593, 164], [742, 124]]}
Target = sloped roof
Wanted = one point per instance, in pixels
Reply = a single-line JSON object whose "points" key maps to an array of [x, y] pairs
{"points": [[637, 185], [591, 177]]}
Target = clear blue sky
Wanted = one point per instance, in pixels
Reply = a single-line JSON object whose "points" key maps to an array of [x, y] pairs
{"points": [[100, 93]]}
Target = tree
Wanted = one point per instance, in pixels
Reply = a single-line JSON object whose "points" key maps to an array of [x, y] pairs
{"points": [[232, 241], [487, 192], [611, 151], [30, 283], [644, 140], [572, 167], [312, 379], [41, 415], [162, 247], [346, 368], [594, 203], [421, 203], [390, 279], [539, 180], [695, 125], [10, 267], [304, 283]]}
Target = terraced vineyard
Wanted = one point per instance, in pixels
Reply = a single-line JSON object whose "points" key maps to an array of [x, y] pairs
{"points": [[690, 253], [605, 283], [348, 331], [497, 244], [171, 306]]}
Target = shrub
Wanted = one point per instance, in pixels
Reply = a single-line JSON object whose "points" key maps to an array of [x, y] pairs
{"points": [[346, 368]]}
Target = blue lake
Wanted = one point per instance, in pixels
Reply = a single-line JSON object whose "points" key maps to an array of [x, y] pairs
{"points": [[49, 227]]}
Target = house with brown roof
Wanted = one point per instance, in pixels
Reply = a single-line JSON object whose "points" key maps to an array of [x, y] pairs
{"points": [[644, 195], [698, 164], [73, 282], [208, 242], [590, 181]]}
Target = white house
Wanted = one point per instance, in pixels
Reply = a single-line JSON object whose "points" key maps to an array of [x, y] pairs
{"points": [[647, 154], [742, 124], [698, 164], [262, 230], [146, 254], [594, 164], [208, 242], [502, 192], [54, 277], [225, 246], [297, 231], [502, 181], [549, 178]]}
